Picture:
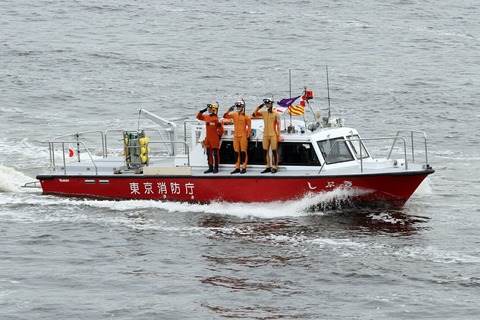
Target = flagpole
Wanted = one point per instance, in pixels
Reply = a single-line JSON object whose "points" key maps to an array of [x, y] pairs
{"points": [[290, 84], [305, 94]]}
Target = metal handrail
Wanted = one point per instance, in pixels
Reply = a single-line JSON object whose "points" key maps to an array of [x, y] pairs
{"points": [[52, 152], [383, 138], [168, 143], [83, 133], [123, 130], [395, 138], [186, 147], [51, 148], [412, 132], [77, 134], [185, 128]]}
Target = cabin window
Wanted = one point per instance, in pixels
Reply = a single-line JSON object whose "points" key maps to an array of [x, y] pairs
{"points": [[295, 154], [255, 153], [358, 147], [335, 150], [227, 154]]}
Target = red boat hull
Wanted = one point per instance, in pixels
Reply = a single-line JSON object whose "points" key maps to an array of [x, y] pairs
{"points": [[393, 188]]}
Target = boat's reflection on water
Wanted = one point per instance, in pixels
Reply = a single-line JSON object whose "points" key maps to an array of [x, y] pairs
{"points": [[394, 222], [256, 256]]}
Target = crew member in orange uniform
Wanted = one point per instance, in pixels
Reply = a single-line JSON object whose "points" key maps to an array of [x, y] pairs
{"points": [[243, 126], [271, 133], [214, 131]]}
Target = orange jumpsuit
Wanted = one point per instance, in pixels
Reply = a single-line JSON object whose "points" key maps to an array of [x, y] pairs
{"points": [[214, 131], [271, 133], [242, 125]]}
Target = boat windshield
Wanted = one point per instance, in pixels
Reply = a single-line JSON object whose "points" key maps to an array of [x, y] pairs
{"points": [[335, 150], [358, 147]]}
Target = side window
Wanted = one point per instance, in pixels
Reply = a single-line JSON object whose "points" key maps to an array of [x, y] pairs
{"points": [[335, 150], [227, 154], [301, 154], [255, 153]]}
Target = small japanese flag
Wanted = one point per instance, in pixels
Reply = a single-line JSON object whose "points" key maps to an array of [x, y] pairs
{"points": [[71, 152]]}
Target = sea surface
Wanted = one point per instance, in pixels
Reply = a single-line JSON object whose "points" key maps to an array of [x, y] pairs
{"points": [[71, 66]]}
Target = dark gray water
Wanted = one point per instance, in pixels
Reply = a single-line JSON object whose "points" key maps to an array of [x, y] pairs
{"points": [[80, 65]]}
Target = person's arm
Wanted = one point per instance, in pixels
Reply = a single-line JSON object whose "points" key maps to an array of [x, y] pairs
{"points": [[256, 113], [227, 114], [200, 114], [220, 129], [248, 122], [278, 126]]}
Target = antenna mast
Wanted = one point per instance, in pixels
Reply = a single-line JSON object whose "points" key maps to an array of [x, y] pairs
{"points": [[290, 81], [328, 91]]}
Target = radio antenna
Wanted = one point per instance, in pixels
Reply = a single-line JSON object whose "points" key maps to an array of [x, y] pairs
{"points": [[290, 81], [328, 91]]}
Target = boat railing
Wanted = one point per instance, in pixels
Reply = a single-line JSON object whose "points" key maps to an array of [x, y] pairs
{"points": [[396, 140], [361, 140], [75, 140], [165, 154], [81, 136], [75, 145], [189, 131], [413, 134], [32, 184], [108, 140], [65, 147]]}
